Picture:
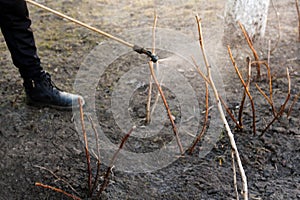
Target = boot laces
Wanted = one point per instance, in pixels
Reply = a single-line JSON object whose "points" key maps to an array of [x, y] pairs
{"points": [[50, 83]]}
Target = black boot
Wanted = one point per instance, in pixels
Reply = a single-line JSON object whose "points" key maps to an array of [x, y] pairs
{"points": [[41, 91]]}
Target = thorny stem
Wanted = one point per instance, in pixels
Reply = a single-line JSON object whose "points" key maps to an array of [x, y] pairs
{"points": [[230, 134], [269, 99], [282, 107], [167, 108], [244, 94], [87, 153], [245, 87], [250, 44]]}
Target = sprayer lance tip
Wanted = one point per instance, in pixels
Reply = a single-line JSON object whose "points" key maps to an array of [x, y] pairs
{"points": [[154, 58], [141, 50]]}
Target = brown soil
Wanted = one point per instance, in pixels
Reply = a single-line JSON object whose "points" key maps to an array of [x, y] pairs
{"points": [[32, 138]]}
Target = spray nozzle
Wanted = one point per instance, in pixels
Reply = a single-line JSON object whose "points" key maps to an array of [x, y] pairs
{"points": [[141, 50]]}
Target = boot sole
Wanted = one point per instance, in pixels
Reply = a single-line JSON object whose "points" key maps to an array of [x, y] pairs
{"points": [[36, 104]]}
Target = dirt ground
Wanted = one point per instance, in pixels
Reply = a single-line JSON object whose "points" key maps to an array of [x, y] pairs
{"points": [[35, 138]]}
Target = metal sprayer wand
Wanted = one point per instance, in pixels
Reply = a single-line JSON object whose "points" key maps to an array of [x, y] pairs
{"points": [[136, 48]]}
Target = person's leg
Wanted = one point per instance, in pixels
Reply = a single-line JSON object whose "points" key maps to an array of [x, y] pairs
{"points": [[40, 90], [15, 26]]}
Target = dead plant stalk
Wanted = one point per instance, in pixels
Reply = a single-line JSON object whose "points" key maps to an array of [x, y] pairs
{"points": [[229, 133]]}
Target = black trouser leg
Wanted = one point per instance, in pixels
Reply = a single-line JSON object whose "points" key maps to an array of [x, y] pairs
{"points": [[15, 26]]}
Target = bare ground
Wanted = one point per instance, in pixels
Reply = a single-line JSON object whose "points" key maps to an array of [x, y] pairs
{"points": [[32, 137]]}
